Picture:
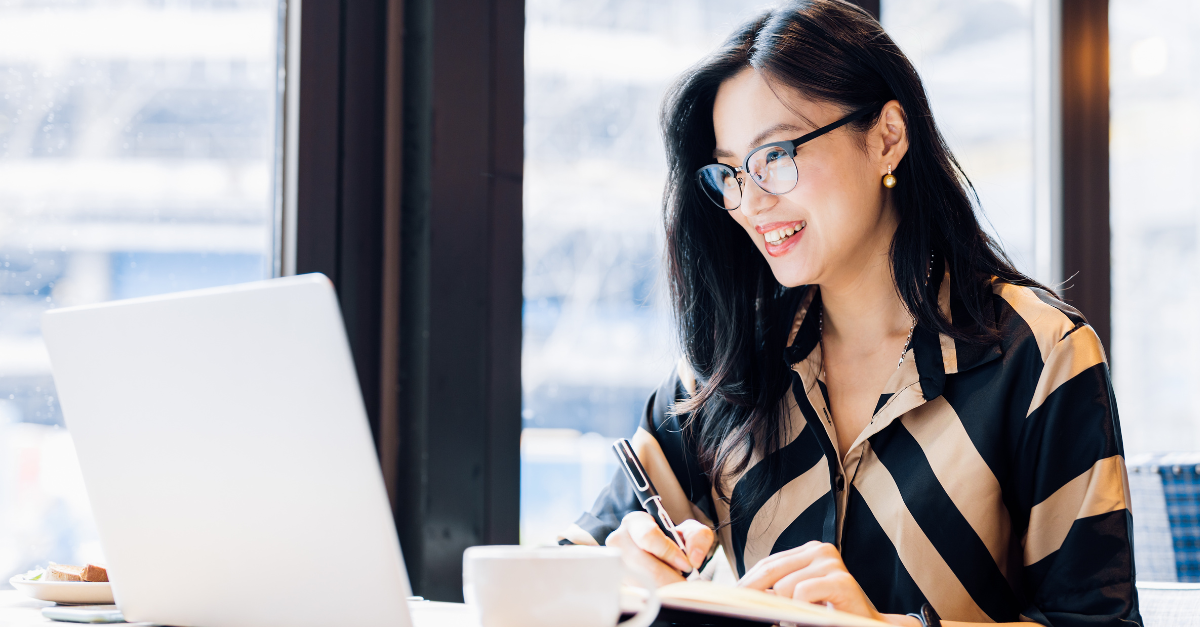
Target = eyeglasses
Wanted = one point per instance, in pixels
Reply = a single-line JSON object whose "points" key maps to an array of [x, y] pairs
{"points": [[771, 166]]}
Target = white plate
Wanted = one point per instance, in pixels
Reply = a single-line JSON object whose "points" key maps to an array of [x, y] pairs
{"points": [[67, 592]]}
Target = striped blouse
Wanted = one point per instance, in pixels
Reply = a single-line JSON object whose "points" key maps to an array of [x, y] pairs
{"points": [[990, 481]]}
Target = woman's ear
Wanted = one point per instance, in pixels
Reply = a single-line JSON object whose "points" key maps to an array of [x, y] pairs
{"points": [[891, 133]]}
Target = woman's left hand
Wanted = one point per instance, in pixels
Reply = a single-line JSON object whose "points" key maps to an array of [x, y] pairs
{"points": [[815, 573]]}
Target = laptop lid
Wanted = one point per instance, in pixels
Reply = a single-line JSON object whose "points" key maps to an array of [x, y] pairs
{"points": [[228, 458]]}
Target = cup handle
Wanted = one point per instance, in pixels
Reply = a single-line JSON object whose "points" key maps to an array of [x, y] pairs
{"points": [[650, 610]]}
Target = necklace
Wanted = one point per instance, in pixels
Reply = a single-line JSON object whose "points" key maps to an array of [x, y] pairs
{"points": [[821, 333], [907, 341]]}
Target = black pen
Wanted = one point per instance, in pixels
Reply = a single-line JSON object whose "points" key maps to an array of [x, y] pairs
{"points": [[646, 494]]}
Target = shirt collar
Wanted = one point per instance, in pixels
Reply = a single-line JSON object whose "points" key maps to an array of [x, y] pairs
{"points": [[935, 354]]}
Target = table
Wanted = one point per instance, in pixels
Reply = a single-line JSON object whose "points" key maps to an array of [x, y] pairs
{"points": [[18, 610]]}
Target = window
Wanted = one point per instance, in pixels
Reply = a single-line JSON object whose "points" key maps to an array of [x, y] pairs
{"points": [[1155, 218], [597, 331], [137, 156], [976, 60], [598, 337]]}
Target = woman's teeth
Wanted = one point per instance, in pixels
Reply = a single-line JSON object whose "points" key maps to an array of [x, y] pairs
{"points": [[778, 235]]}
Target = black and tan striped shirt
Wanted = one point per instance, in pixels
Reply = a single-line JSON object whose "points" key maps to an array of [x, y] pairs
{"points": [[990, 481]]}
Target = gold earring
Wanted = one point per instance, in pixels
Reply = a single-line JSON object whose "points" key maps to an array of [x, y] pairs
{"points": [[889, 181]]}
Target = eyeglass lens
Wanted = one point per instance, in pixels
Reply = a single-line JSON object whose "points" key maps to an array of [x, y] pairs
{"points": [[770, 167]]}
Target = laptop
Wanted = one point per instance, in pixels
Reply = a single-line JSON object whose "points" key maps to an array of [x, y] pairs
{"points": [[228, 459]]}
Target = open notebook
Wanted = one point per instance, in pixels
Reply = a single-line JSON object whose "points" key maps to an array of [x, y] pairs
{"points": [[704, 597]]}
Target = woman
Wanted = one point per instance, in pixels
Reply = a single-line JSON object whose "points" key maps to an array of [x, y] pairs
{"points": [[875, 409]]}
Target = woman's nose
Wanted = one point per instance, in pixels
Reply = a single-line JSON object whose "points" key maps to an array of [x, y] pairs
{"points": [[755, 200]]}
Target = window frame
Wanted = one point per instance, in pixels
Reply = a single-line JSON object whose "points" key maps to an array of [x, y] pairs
{"points": [[387, 87]]}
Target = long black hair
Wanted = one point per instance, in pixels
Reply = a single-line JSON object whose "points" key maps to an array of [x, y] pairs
{"points": [[733, 317]]}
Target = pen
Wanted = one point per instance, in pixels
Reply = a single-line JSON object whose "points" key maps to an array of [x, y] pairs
{"points": [[646, 494]]}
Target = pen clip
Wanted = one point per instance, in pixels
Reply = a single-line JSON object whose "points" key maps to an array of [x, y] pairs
{"points": [[636, 473]]}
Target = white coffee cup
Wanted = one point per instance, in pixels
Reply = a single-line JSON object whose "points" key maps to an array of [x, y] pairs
{"points": [[561, 586]]}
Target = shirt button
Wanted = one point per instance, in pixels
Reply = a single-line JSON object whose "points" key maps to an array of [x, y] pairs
{"points": [[841, 483]]}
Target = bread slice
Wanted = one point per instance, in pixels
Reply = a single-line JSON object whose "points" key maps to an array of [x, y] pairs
{"points": [[64, 572], [92, 572]]}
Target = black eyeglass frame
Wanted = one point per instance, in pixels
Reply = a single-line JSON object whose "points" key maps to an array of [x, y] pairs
{"points": [[789, 147]]}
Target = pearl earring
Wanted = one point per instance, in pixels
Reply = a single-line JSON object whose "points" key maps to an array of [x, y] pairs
{"points": [[889, 181]]}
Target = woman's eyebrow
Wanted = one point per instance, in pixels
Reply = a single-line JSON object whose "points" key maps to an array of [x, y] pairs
{"points": [[759, 139]]}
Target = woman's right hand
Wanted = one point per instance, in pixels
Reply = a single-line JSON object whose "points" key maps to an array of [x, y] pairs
{"points": [[643, 545]]}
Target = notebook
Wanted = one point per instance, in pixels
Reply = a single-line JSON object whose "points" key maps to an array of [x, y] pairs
{"points": [[707, 598]]}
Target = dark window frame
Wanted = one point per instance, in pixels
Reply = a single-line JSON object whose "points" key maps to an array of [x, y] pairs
{"points": [[426, 261], [1086, 240], [871, 6]]}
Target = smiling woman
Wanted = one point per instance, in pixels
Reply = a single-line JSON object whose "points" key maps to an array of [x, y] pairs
{"points": [[980, 477]]}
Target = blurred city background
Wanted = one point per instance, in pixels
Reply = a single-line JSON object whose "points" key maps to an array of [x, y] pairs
{"points": [[137, 157], [597, 329], [598, 334], [139, 151]]}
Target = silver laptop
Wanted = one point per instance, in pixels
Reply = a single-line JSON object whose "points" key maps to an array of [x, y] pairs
{"points": [[228, 458]]}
